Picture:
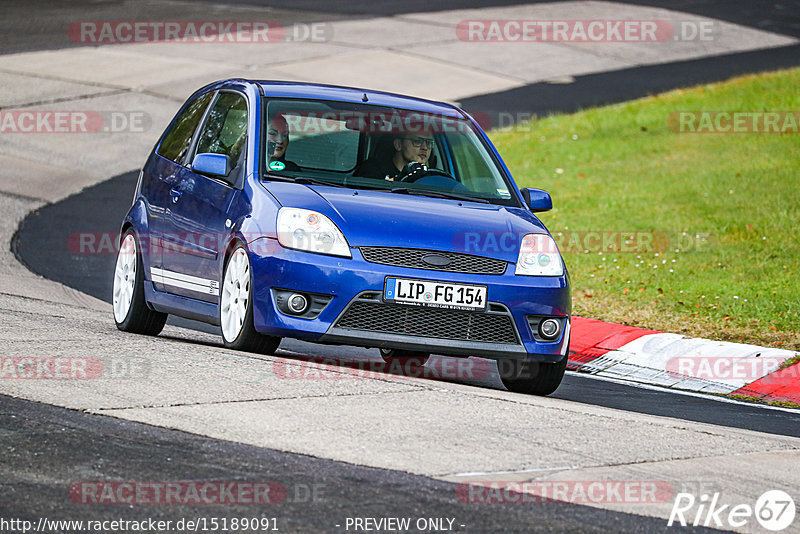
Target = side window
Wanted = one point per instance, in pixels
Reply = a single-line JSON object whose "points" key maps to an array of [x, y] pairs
{"points": [[225, 131], [473, 169], [179, 138]]}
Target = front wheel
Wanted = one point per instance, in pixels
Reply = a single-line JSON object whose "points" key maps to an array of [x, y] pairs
{"points": [[533, 378], [236, 308], [131, 312]]}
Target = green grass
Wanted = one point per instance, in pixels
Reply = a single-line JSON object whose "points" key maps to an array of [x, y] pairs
{"points": [[790, 362], [724, 210]]}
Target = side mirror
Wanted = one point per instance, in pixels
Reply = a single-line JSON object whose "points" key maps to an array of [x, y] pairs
{"points": [[217, 165], [537, 199]]}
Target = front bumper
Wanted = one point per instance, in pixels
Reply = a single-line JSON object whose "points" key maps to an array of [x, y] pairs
{"points": [[356, 282]]}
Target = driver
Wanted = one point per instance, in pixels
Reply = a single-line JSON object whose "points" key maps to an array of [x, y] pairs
{"points": [[408, 148]]}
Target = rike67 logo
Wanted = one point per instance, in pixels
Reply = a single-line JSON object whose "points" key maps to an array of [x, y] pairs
{"points": [[774, 510]]}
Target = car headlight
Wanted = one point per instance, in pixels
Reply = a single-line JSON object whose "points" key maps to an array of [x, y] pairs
{"points": [[539, 256], [310, 231]]}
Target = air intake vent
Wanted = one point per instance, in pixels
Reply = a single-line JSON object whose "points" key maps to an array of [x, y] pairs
{"points": [[429, 322], [434, 260]]}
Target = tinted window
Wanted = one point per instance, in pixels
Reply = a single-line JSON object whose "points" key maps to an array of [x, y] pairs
{"points": [[179, 138], [365, 145], [225, 130], [476, 168], [319, 136]]}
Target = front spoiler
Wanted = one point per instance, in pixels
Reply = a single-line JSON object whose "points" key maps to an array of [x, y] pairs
{"points": [[494, 351]]}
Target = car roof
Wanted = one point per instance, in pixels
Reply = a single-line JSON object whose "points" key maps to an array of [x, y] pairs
{"points": [[284, 89]]}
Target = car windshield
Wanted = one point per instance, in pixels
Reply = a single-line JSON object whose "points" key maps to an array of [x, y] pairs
{"points": [[373, 147]]}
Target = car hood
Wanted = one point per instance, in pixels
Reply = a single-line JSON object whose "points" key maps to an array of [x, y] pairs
{"points": [[382, 219]]}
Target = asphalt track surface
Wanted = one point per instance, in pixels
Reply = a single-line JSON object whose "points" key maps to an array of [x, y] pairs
{"points": [[540, 99], [21, 33], [63, 446], [780, 17], [66, 447]]}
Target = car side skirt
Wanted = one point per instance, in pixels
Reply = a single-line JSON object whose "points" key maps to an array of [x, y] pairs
{"points": [[198, 310]]}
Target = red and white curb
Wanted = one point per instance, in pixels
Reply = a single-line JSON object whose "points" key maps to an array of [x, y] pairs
{"points": [[674, 361]]}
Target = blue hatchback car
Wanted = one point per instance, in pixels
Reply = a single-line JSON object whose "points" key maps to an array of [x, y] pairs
{"points": [[343, 216]]}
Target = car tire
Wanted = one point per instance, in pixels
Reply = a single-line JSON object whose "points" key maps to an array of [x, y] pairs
{"points": [[404, 357], [532, 378], [131, 312], [236, 307]]}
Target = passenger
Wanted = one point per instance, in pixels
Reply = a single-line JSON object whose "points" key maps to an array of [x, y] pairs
{"points": [[277, 143]]}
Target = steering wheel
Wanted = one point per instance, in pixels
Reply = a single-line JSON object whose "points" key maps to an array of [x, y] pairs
{"points": [[415, 170]]}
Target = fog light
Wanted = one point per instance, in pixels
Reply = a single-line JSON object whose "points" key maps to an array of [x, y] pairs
{"points": [[297, 303], [549, 328]]}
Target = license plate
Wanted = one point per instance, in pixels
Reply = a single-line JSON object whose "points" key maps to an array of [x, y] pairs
{"points": [[435, 294]]}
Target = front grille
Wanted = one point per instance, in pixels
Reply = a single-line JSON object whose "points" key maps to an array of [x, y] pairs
{"points": [[412, 257], [429, 322]]}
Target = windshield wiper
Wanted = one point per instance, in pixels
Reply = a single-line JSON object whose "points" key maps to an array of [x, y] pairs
{"points": [[437, 194], [305, 180]]}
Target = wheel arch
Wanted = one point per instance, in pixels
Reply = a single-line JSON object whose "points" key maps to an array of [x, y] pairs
{"points": [[126, 225], [232, 244]]}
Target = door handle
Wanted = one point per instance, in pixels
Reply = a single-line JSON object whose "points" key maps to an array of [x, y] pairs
{"points": [[175, 194]]}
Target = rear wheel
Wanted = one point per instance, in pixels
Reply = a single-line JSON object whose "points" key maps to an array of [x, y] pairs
{"points": [[533, 378], [404, 357], [131, 312], [236, 308]]}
